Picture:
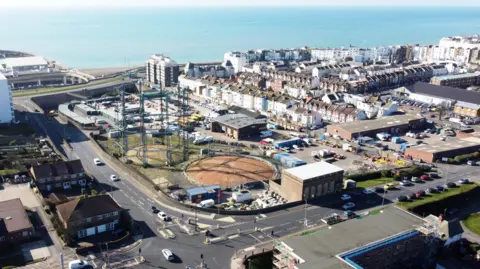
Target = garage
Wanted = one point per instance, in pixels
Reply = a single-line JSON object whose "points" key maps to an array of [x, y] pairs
{"points": [[90, 231], [102, 228]]}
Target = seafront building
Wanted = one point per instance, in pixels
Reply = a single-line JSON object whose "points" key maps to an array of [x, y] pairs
{"points": [[23, 65], [7, 114], [161, 71]]}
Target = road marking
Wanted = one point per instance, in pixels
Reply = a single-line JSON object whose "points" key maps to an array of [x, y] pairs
{"points": [[263, 215], [94, 264], [291, 228], [233, 236], [255, 238], [141, 202], [286, 223]]}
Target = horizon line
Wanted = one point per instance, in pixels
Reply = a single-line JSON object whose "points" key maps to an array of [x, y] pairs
{"points": [[237, 5]]}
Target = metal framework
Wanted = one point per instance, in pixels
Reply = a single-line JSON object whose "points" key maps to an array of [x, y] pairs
{"points": [[164, 99]]}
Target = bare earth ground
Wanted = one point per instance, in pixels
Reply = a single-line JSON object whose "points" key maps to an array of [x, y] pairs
{"points": [[229, 171], [97, 72]]}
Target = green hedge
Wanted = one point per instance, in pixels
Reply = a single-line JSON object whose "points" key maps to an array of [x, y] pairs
{"points": [[369, 175]]}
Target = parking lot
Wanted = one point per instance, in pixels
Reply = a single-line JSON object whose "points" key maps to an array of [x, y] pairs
{"points": [[21, 191]]}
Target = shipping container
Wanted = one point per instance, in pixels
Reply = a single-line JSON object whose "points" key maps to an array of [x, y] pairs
{"points": [[288, 143], [278, 156], [198, 194]]}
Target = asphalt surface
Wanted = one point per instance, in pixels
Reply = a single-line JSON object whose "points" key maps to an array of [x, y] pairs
{"points": [[189, 247]]}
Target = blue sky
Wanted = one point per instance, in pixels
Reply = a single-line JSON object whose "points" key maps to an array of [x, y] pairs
{"points": [[95, 3]]}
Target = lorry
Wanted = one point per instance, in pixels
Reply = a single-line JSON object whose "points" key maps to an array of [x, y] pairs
{"points": [[325, 153], [242, 196], [206, 203], [288, 143], [383, 136]]}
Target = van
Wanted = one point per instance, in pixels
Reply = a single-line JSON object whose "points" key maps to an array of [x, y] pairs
{"points": [[206, 203], [78, 264]]}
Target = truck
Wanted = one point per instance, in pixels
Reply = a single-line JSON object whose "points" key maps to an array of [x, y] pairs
{"points": [[325, 153], [242, 196], [288, 143], [383, 136], [206, 203]]}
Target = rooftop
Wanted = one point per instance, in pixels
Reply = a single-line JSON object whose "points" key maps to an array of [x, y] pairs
{"points": [[318, 249], [449, 145], [445, 92], [13, 216], [238, 121], [23, 61], [459, 76], [72, 115], [88, 207], [202, 189], [369, 125], [312, 170]]}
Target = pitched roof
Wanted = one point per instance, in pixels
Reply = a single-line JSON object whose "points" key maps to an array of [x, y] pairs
{"points": [[445, 92], [13, 216], [87, 207], [58, 169]]}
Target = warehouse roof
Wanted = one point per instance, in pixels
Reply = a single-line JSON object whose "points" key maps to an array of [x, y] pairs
{"points": [[72, 115], [319, 249], [202, 189], [238, 121], [312, 170], [449, 145], [246, 112], [23, 61], [459, 76], [445, 92], [370, 125]]}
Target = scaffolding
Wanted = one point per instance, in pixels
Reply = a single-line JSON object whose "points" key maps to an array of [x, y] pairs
{"points": [[164, 98]]}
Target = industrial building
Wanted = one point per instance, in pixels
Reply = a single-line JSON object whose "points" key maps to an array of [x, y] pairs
{"points": [[239, 126], [162, 70], [16, 66], [7, 114], [392, 125], [457, 81], [444, 149], [66, 112], [308, 181], [384, 240], [198, 194]]}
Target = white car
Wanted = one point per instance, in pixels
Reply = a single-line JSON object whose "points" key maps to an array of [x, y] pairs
{"points": [[161, 215], [367, 191], [97, 161], [77, 264], [345, 197], [348, 205], [168, 254], [114, 178]]}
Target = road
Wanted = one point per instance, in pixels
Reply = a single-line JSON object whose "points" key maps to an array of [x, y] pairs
{"points": [[188, 247]]}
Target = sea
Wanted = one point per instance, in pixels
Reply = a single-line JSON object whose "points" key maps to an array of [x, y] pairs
{"points": [[112, 37]]}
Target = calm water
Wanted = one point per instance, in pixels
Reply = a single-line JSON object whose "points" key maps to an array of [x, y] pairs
{"points": [[115, 37]]}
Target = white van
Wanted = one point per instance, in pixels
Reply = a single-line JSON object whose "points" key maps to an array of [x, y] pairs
{"points": [[77, 264], [206, 203]]}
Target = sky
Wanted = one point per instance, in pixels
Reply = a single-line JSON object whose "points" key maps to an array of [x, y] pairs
{"points": [[120, 3]]}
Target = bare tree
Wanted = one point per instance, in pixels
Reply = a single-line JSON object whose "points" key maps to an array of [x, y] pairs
{"points": [[442, 109]]}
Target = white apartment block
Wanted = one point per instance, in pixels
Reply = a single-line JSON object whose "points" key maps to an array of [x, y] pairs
{"points": [[7, 114], [237, 59], [466, 42], [161, 70]]}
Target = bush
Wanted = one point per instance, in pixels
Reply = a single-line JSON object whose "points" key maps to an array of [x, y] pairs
{"points": [[386, 173], [365, 176], [397, 177]]}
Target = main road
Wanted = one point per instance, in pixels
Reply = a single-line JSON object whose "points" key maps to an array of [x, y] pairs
{"points": [[239, 234]]}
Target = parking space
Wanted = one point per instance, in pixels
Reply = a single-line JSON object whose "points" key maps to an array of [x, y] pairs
{"points": [[35, 251], [21, 191]]}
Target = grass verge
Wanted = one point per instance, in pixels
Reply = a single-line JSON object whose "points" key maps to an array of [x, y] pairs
{"points": [[374, 182], [61, 89], [472, 222], [434, 197]]}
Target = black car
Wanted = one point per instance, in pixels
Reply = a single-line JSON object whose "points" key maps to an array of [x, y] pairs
{"points": [[411, 196], [379, 189], [451, 185], [155, 210], [431, 190], [402, 198], [434, 175]]}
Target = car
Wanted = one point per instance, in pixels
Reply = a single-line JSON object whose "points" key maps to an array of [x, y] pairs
{"points": [[155, 210], [440, 188], [420, 193], [379, 189], [451, 185], [434, 175], [405, 183], [411, 196], [472, 163], [345, 197], [168, 254], [402, 198], [464, 181], [389, 186], [348, 206], [415, 179], [161, 215], [431, 190], [114, 178], [349, 214], [97, 161], [77, 264], [367, 191], [425, 177]]}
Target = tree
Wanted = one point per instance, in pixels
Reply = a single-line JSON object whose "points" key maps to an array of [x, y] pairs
{"points": [[442, 109]]}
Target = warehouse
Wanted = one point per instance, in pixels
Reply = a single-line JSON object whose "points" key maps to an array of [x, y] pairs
{"points": [[392, 125], [309, 181], [239, 126], [447, 149], [198, 194]]}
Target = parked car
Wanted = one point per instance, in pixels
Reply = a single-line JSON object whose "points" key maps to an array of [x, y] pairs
{"points": [[425, 177], [450, 185], [402, 198], [168, 255], [472, 163], [411, 196], [345, 197], [367, 191], [433, 175], [405, 183], [464, 181], [349, 214], [155, 210], [415, 179], [431, 190], [379, 189], [420, 193], [440, 188], [348, 206]]}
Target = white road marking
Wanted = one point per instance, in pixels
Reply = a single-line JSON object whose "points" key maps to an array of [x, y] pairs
{"points": [[286, 223], [141, 202], [94, 264], [255, 238], [291, 228]]}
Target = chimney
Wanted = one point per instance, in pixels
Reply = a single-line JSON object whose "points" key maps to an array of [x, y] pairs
{"points": [[440, 218]]}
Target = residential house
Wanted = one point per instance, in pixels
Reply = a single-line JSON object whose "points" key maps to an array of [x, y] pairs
{"points": [[15, 226], [90, 216], [331, 98], [59, 175]]}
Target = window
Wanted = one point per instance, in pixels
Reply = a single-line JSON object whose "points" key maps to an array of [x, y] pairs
{"points": [[80, 174], [99, 217], [2, 238], [41, 180], [108, 215], [115, 213], [111, 226], [82, 233], [58, 178], [73, 176], [89, 219], [25, 233]]}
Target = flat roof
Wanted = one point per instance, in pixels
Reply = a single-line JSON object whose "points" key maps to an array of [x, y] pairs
{"points": [[238, 121], [319, 249], [85, 107], [23, 61], [72, 115], [111, 113], [13, 216], [449, 145], [371, 125], [467, 75], [2, 77], [312, 170]]}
